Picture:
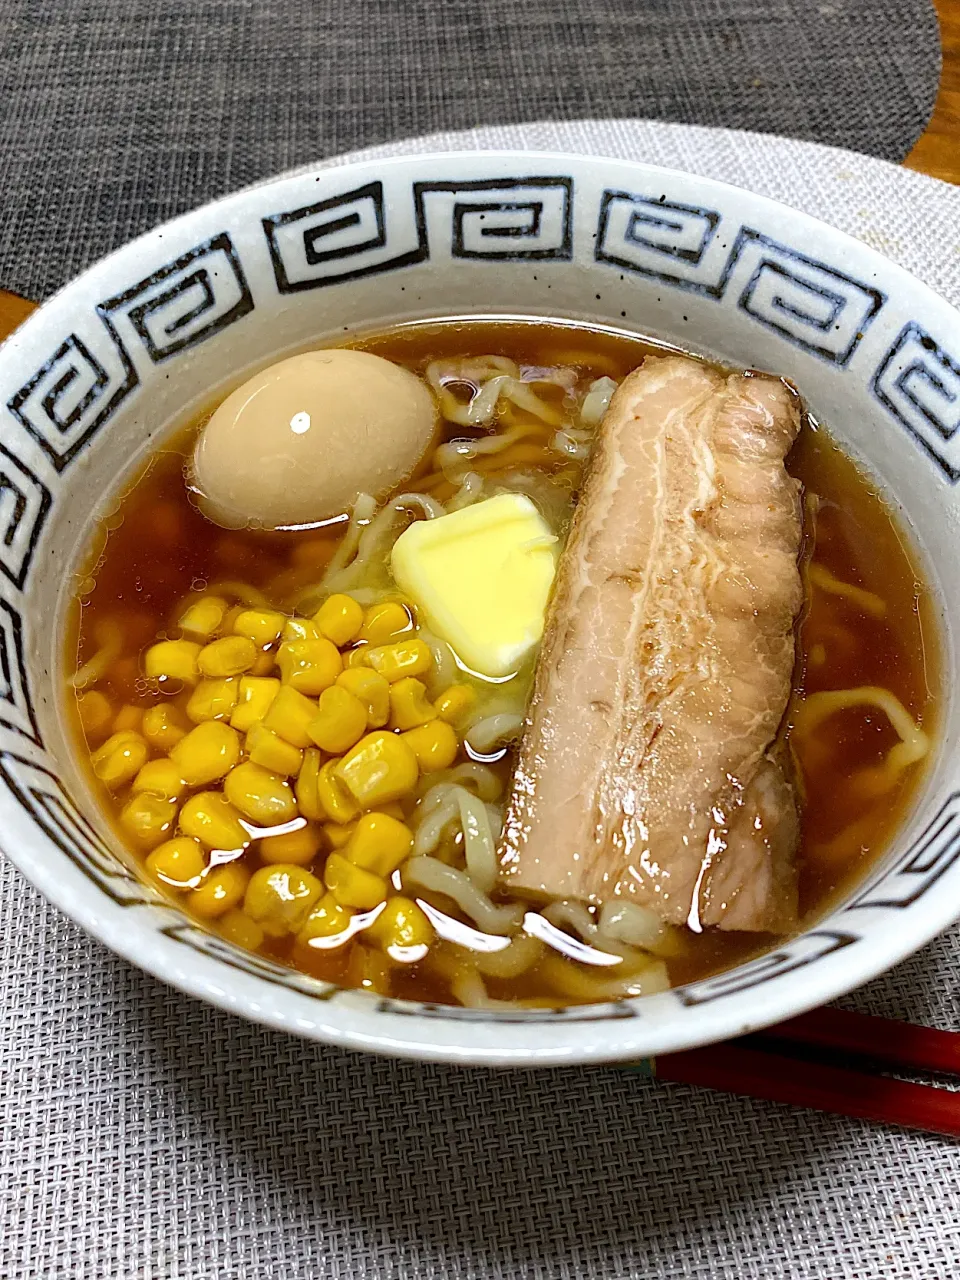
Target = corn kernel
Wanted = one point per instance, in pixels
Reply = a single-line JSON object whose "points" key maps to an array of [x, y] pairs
{"points": [[356, 657], [406, 658], [402, 930], [306, 787], [393, 810], [178, 863], [160, 778], [384, 622], [163, 727], [353, 886], [335, 800], [298, 847], [213, 700], [326, 920], [220, 890], [264, 797], [265, 663], [238, 928], [380, 768], [289, 714], [120, 758], [96, 714], [339, 619], [230, 619], [370, 970], [207, 753], [435, 745], [455, 704], [148, 819], [309, 666], [340, 722], [409, 704], [372, 690], [230, 656], [209, 818], [172, 660], [262, 626], [254, 696], [128, 717], [201, 618], [338, 833], [280, 898], [300, 629], [270, 751], [379, 843]]}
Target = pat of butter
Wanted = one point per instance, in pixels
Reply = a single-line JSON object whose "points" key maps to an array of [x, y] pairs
{"points": [[482, 578]]}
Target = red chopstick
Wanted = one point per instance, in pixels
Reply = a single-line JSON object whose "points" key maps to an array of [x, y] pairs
{"points": [[768, 1066]]}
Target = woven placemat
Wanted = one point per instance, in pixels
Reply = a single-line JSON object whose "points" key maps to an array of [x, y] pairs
{"points": [[117, 114], [144, 1135]]}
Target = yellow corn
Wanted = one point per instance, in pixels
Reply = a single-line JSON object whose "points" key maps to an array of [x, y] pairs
{"points": [[435, 745], [298, 847], [339, 619], [335, 800], [271, 752], [340, 722], [262, 626], [201, 618], [160, 778], [230, 656], [263, 797], [406, 658], [289, 714], [393, 810], [370, 970], [353, 886], [309, 666], [455, 704], [300, 629], [254, 696], [96, 714], [371, 689], [380, 768], [238, 928], [128, 717], [306, 787], [163, 727], [230, 618], [207, 753], [220, 890], [401, 927], [148, 819], [326, 920], [209, 818], [384, 622], [338, 833], [172, 660], [178, 863], [120, 758], [379, 843], [356, 658], [265, 663], [280, 898], [409, 704], [213, 700]]}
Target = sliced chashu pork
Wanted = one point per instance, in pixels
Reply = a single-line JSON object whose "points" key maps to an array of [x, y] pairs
{"points": [[649, 770]]}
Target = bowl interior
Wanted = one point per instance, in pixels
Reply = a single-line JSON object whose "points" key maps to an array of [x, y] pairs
{"points": [[145, 339]]}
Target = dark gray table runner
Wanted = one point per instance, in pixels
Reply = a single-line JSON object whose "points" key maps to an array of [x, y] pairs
{"points": [[116, 114]]}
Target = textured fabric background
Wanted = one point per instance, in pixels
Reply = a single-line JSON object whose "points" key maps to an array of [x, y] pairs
{"points": [[116, 114], [144, 1136]]}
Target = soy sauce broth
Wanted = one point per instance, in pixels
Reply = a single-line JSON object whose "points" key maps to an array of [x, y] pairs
{"points": [[155, 546]]}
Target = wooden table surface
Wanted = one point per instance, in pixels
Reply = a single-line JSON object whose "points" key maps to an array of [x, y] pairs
{"points": [[937, 151]]}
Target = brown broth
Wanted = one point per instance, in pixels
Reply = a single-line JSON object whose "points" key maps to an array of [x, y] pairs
{"points": [[156, 547]]}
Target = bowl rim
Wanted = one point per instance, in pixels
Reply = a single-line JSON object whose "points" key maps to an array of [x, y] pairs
{"points": [[368, 1023]]}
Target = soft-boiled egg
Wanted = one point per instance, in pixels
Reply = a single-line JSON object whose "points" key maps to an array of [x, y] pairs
{"points": [[298, 442]]}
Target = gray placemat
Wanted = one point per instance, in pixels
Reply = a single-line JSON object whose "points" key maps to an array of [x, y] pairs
{"points": [[116, 114], [144, 1135]]}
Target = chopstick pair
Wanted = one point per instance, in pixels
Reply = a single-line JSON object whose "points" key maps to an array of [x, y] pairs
{"points": [[830, 1060]]}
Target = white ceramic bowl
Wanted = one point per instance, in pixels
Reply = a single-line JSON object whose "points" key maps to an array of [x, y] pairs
{"points": [[97, 377]]}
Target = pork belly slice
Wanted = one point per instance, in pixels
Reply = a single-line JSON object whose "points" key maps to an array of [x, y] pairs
{"points": [[648, 770]]}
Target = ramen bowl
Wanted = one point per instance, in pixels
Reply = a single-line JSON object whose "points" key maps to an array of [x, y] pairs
{"points": [[145, 339]]}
